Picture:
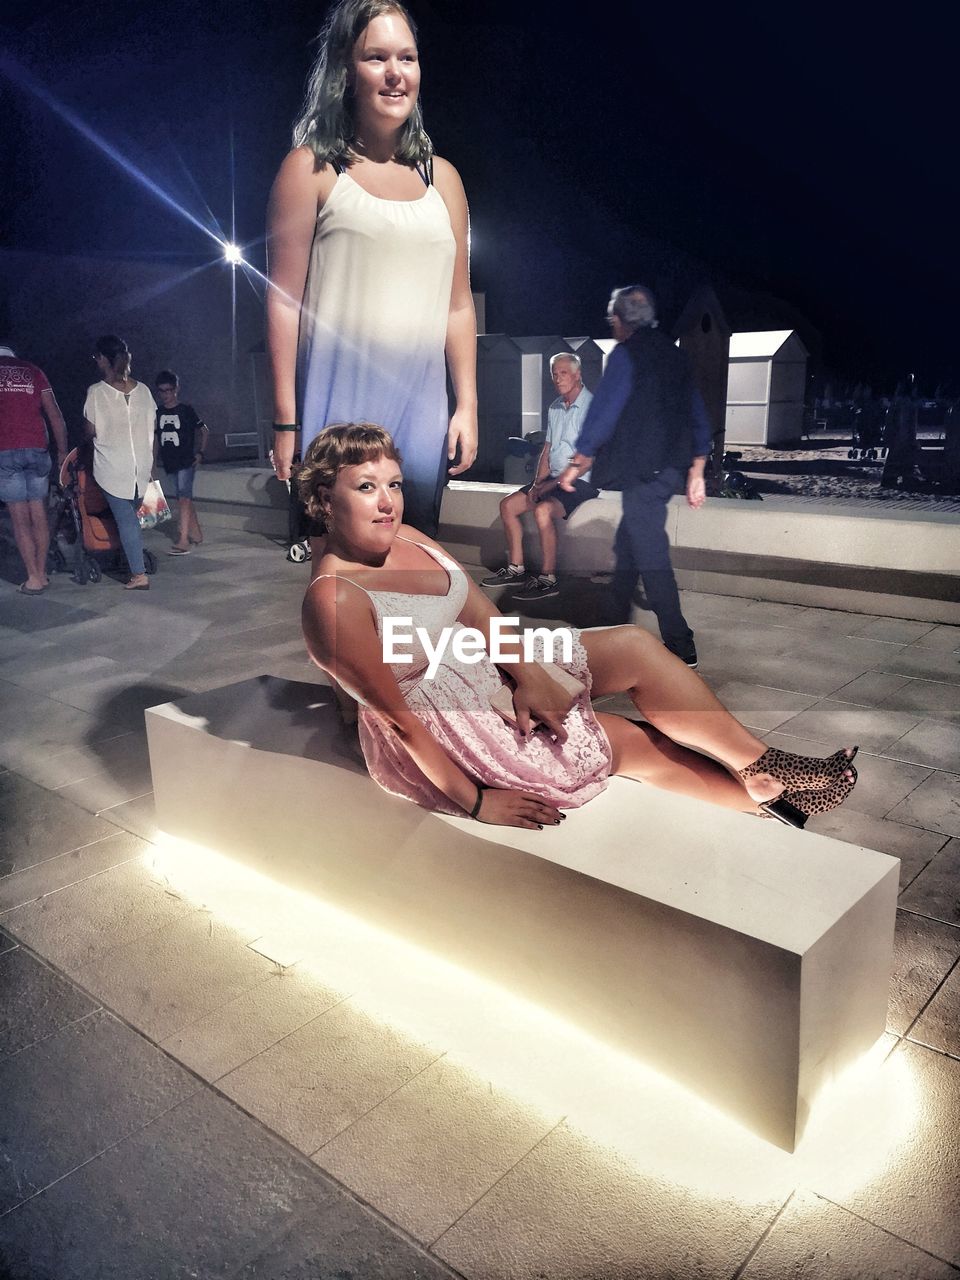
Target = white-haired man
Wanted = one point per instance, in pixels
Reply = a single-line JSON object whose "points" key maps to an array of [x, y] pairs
{"points": [[648, 434], [548, 503]]}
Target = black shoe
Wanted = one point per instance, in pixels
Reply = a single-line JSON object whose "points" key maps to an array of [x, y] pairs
{"points": [[538, 589], [686, 653], [506, 577]]}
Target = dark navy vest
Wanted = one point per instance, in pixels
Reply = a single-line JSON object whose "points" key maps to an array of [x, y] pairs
{"points": [[655, 429]]}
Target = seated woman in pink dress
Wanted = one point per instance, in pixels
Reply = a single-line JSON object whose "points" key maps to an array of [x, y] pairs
{"points": [[427, 726]]}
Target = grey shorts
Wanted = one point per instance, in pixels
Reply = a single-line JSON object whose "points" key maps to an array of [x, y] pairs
{"points": [[24, 475]]}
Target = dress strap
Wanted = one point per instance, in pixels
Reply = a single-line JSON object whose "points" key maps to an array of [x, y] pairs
{"points": [[439, 557], [339, 578]]}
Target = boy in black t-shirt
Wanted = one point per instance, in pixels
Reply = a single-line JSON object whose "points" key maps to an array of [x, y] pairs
{"points": [[181, 438]]}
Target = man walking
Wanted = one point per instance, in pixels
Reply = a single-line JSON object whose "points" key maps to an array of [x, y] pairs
{"points": [[646, 433], [27, 407]]}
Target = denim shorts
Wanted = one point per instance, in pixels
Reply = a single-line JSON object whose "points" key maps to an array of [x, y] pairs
{"points": [[182, 481], [24, 475]]}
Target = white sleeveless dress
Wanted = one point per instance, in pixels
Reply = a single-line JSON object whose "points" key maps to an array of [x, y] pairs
{"points": [[374, 325]]}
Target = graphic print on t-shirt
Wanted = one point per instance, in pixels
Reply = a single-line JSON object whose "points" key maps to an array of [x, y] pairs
{"points": [[169, 428], [177, 436], [16, 377], [22, 385]]}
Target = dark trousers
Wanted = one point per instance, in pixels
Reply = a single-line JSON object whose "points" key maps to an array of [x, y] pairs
{"points": [[642, 551]]}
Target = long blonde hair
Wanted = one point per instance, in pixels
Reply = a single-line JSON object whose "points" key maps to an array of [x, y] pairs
{"points": [[326, 122]]}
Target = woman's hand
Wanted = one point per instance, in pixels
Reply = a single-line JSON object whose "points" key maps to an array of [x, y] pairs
{"points": [[539, 699], [516, 809], [284, 445], [463, 435]]}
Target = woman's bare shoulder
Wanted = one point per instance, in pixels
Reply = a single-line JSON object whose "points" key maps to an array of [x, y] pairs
{"points": [[333, 605], [332, 587], [410, 534], [444, 170], [447, 182], [299, 174]]}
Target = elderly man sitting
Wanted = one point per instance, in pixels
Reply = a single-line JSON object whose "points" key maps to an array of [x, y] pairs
{"points": [[543, 498]]}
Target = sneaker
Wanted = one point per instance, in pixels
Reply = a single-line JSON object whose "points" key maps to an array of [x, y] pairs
{"points": [[505, 577], [686, 653], [538, 589]]}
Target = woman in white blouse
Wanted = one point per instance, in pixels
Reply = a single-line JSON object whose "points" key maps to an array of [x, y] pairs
{"points": [[120, 417]]}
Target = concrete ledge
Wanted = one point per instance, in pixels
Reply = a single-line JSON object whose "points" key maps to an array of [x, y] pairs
{"points": [[883, 560], [249, 498], [879, 560], [746, 960]]}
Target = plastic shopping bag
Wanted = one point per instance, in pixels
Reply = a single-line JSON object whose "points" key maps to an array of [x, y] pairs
{"points": [[154, 509]]}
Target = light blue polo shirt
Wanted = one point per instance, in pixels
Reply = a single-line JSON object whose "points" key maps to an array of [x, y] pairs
{"points": [[563, 429]]}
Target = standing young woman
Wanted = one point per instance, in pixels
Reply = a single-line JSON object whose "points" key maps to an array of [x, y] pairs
{"points": [[368, 259], [119, 417]]}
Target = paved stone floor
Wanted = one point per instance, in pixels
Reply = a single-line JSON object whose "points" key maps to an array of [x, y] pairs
{"points": [[179, 1098]]}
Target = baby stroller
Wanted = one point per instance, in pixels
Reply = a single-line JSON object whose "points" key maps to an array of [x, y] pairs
{"points": [[298, 528], [85, 520]]}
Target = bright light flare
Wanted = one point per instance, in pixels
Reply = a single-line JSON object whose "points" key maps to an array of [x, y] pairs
{"points": [[561, 1073], [233, 254]]}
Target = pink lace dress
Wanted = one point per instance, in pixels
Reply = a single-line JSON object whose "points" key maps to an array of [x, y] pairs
{"points": [[455, 707]]}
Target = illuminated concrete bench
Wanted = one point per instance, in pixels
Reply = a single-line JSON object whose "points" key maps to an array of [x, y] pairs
{"points": [[744, 959], [859, 557]]}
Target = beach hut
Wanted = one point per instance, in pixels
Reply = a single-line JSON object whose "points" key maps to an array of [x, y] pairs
{"points": [[499, 403], [765, 387]]}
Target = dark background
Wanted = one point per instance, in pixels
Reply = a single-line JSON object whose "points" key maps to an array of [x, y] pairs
{"points": [[801, 160]]}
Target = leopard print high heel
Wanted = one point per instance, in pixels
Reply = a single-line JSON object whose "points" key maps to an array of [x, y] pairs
{"points": [[795, 807], [800, 773]]}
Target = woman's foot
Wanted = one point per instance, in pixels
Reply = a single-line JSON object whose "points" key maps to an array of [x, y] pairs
{"points": [[139, 582], [797, 773], [178, 550], [795, 807]]}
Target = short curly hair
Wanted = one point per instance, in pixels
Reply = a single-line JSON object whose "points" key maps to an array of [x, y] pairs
{"points": [[344, 444]]}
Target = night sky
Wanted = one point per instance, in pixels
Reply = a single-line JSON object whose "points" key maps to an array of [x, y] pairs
{"points": [[779, 152]]}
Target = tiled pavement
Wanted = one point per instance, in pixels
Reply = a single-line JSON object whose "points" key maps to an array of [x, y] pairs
{"points": [[174, 1103]]}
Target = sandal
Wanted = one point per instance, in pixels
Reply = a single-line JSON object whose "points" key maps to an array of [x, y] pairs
{"points": [[795, 807], [800, 773]]}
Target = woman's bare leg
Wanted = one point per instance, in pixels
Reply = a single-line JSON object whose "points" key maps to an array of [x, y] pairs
{"points": [[667, 693], [511, 509], [644, 753], [183, 524], [673, 699]]}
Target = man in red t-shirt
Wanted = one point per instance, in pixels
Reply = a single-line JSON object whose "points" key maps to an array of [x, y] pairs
{"points": [[27, 407]]}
